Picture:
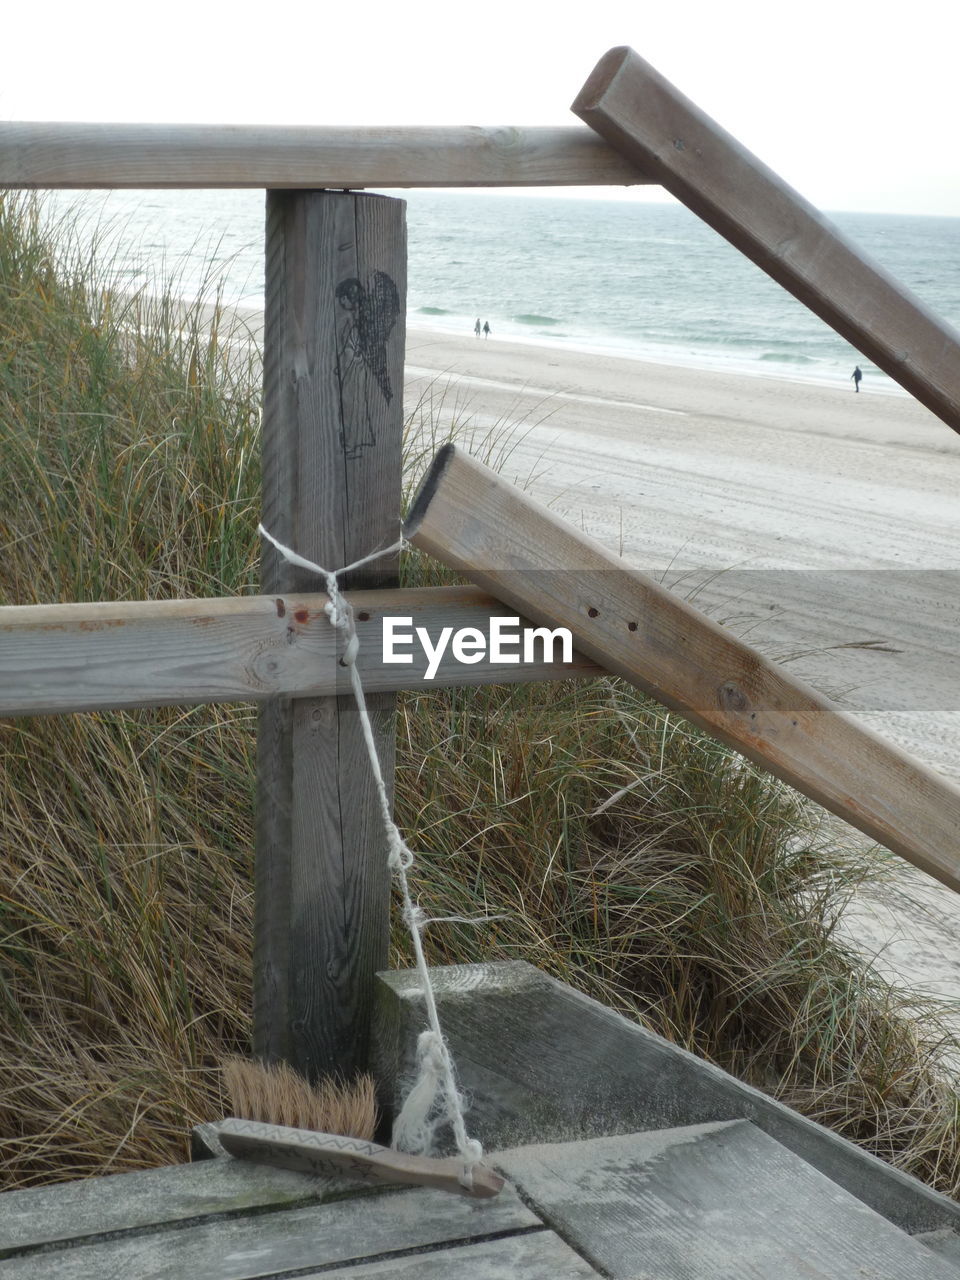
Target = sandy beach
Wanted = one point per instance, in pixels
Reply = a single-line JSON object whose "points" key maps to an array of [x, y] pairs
{"points": [[818, 523]]}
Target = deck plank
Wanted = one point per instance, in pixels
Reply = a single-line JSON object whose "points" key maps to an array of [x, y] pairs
{"points": [[710, 1202], [178, 1194], [539, 1255], [543, 1062], [266, 1243]]}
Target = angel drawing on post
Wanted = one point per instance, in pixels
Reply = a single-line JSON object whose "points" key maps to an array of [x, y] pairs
{"points": [[362, 372]]}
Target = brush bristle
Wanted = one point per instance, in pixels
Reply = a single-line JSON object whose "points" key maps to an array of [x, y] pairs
{"points": [[278, 1095]]}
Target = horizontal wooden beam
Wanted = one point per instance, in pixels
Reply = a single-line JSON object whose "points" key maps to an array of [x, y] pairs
{"points": [[470, 519], [87, 657], [653, 125], [158, 155]]}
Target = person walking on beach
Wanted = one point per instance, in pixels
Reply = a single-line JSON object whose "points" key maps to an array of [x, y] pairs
{"points": [[476, 327], [486, 328], [856, 376]]}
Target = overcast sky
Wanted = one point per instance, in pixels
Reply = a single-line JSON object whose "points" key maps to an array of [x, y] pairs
{"points": [[856, 104]]}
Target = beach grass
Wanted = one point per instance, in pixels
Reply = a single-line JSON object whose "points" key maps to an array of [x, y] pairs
{"points": [[618, 849]]}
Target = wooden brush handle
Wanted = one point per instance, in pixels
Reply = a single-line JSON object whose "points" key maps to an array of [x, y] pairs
{"points": [[330, 1155]]}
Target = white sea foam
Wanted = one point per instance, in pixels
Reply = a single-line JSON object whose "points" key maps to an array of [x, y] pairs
{"points": [[614, 277]]}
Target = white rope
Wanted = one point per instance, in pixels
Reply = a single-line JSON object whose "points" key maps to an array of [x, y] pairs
{"points": [[423, 921], [434, 1098]]}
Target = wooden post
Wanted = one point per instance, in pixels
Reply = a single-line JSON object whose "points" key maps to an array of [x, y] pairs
{"points": [[332, 423]]}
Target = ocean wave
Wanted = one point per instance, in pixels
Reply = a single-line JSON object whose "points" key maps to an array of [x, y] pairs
{"points": [[650, 280]]}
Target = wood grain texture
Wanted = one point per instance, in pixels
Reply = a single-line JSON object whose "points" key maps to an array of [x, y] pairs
{"points": [[332, 426], [944, 1243], [712, 1202], [475, 522], [544, 1063], [250, 1246], [35, 154], [535, 1255], [330, 1155], [651, 123], [84, 657], [72, 1212]]}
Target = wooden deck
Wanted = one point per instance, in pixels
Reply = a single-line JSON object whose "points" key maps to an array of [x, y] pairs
{"points": [[712, 1180], [224, 1218], [704, 1202]]}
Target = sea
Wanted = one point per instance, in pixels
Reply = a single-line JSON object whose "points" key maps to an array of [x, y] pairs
{"points": [[612, 276]]}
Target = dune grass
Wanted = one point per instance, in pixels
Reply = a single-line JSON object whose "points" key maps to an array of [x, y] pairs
{"points": [[625, 853]]}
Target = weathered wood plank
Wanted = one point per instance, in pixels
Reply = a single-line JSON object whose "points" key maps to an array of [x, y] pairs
{"points": [[38, 154], [945, 1242], [69, 1212], [286, 1241], [85, 657], [469, 518], [537, 1255], [710, 1201], [544, 1063], [641, 114], [332, 427]]}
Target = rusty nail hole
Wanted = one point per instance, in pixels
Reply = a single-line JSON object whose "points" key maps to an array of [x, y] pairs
{"points": [[631, 626], [363, 617], [593, 613], [302, 615]]}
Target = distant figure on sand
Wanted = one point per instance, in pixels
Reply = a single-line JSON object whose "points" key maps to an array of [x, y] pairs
{"points": [[856, 376], [486, 329], [476, 327]]}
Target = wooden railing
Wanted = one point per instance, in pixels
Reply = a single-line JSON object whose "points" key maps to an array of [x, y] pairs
{"points": [[331, 465], [150, 653], [154, 155]]}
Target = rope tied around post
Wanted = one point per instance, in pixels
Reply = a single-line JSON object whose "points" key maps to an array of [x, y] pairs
{"points": [[434, 1098]]}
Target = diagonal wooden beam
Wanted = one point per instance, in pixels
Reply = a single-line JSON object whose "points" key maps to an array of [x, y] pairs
{"points": [[652, 124], [470, 519]]}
